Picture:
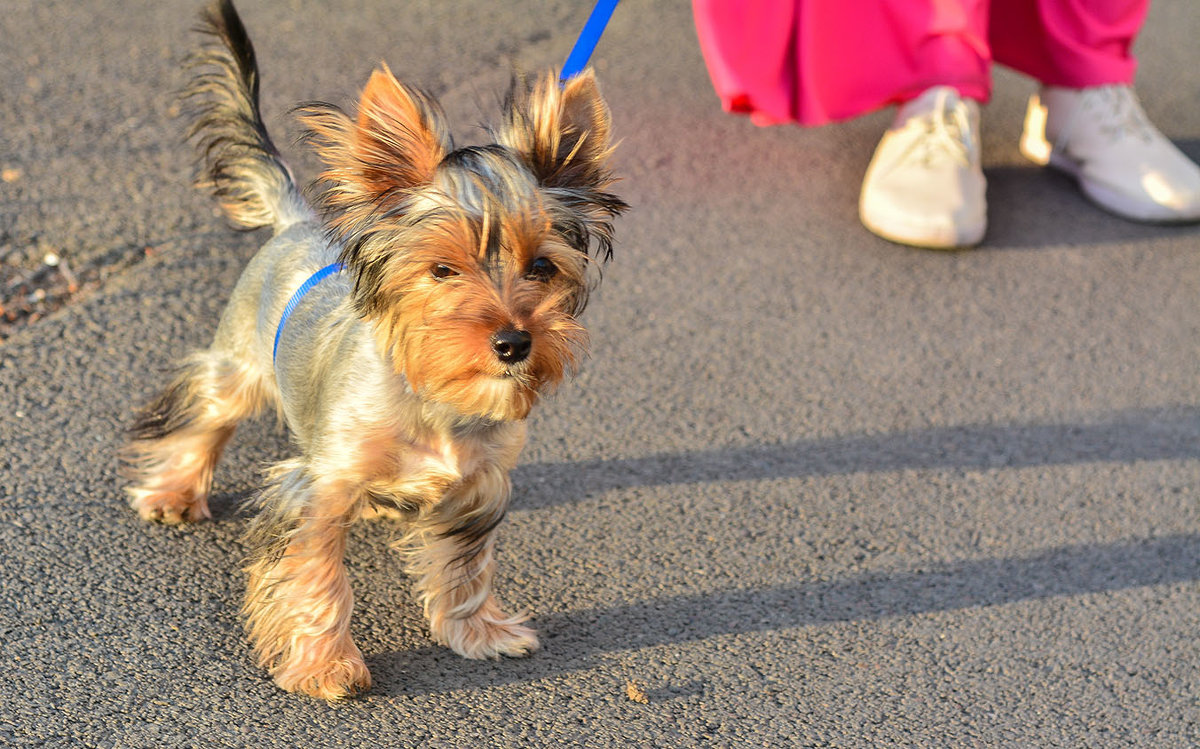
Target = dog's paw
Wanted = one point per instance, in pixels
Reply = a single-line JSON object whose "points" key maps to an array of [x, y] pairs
{"points": [[488, 634], [171, 508], [331, 680]]}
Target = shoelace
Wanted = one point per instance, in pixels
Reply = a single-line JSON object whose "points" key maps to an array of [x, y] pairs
{"points": [[946, 131], [1118, 113]]}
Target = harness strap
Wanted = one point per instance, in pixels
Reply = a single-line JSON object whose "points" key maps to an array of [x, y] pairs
{"points": [[305, 287]]}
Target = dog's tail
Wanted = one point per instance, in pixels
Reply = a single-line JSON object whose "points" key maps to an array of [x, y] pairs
{"points": [[240, 165]]}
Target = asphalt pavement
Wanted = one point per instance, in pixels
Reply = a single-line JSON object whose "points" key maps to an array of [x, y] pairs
{"points": [[811, 489]]}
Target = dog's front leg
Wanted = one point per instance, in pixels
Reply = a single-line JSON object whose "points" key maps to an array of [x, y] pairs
{"points": [[452, 555], [299, 601]]}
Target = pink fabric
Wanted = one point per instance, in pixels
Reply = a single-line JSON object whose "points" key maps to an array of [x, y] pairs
{"points": [[818, 61], [1072, 43]]}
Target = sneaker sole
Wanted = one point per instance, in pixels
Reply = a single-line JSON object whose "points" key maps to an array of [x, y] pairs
{"points": [[920, 237], [1115, 202]]}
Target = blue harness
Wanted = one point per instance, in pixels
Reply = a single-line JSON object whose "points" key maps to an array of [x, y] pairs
{"points": [[305, 287]]}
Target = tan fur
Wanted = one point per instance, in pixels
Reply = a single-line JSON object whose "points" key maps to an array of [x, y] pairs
{"points": [[441, 332], [395, 144], [298, 609], [455, 590]]}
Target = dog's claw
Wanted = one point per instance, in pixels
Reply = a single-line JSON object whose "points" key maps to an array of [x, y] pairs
{"points": [[171, 509]]}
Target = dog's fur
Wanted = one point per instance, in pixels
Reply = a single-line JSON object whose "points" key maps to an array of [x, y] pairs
{"points": [[405, 379]]}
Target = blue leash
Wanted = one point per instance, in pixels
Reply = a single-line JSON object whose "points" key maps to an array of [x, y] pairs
{"points": [[586, 43], [593, 28]]}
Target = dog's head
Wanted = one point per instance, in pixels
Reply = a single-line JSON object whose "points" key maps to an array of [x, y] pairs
{"points": [[473, 263]]}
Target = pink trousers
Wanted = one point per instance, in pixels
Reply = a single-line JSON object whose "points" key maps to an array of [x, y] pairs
{"points": [[816, 61]]}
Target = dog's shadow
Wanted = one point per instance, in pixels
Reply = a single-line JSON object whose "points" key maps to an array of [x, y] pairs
{"points": [[577, 640]]}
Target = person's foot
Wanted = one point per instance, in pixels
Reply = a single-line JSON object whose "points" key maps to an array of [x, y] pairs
{"points": [[1102, 137], [925, 186]]}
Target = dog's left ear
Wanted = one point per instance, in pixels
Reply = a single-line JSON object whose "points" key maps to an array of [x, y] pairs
{"points": [[564, 135]]}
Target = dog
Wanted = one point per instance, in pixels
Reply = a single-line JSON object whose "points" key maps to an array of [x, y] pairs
{"points": [[403, 328]]}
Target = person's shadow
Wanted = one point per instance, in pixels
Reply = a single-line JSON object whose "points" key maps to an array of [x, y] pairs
{"points": [[1122, 437]]}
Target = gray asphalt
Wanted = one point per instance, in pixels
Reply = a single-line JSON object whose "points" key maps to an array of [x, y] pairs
{"points": [[812, 489]]}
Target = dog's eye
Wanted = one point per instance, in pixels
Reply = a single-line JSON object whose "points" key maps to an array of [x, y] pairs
{"points": [[542, 269], [442, 271]]}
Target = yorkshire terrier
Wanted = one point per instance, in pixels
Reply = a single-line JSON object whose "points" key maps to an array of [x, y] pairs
{"points": [[403, 337]]}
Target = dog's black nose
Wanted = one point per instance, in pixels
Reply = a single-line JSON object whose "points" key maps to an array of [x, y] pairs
{"points": [[511, 346]]}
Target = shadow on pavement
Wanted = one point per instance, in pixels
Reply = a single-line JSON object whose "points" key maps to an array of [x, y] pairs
{"points": [[1060, 572], [1126, 437], [576, 641], [1031, 208]]}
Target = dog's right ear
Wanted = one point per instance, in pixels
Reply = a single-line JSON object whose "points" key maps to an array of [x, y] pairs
{"points": [[394, 146]]}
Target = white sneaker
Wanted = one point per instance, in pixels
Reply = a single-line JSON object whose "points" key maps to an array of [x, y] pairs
{"points": [[1102, 137], [925, 186]]}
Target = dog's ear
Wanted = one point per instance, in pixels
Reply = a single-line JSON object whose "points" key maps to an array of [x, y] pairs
{"points": [[564, 135], [401, 135], [562, 132], [396, 143]]}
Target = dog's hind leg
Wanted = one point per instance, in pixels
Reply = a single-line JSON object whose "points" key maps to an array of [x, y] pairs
{"points": [[177, 439]]}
